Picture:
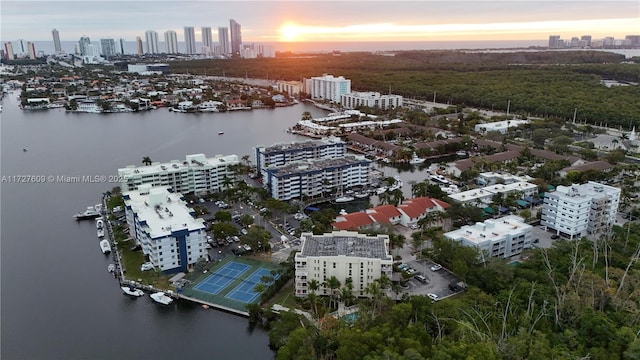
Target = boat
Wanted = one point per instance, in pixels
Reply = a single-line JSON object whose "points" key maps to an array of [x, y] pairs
{"points": [[462, 153], [220, 132], [343, 212], [415, 160], [130, 290], [104, 246], [161, 298], [24, 150], [111, 268], [361, 194], [99, 223], [100, 232], [90, 213], [344, 198]]}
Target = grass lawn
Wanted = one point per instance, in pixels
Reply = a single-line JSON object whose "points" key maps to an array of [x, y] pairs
{"points": [[131, 261], [284, 297]]}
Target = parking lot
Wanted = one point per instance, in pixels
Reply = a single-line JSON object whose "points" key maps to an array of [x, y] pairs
{"points": [[437, 282]]}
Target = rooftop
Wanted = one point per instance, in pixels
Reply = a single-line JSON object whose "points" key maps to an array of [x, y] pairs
{"points": [[191, 161], [302, 145], [316, 165], [163, 212], [490, 230], [345, 243], [591, 189]]}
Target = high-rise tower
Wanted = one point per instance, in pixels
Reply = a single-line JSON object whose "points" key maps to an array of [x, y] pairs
{"points": [[223, 40], [152, 42], [207, 40], [139, 46], [236, 37], [171, 41], [190, 39], [83, 44], [56, 41], [108, 47]]}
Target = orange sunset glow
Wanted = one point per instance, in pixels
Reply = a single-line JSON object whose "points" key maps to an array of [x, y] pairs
{"points": [[292, 32]]}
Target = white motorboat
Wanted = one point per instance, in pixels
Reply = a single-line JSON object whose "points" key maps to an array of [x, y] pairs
{"points": [[344, 198], [90, 213], [361, 194], [100, 232], [343, 212], [104, 246], [416, 161], [130, 290], [99, 223], [161, 298], [111, 268]]}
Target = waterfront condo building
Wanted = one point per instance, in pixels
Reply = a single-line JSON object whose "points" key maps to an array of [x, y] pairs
{"points": [[151, 38], [223, 41], [370, 99], [327, 87], [581, 209], [171, 42], [190, 40], [283, 154], [236, 37], [503, 237], [317, 177], [291, 87], [56, 41], [343, 254], [165, 228], [197, 174]]}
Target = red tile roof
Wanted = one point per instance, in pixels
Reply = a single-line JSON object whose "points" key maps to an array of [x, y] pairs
{"points": [[352, 221]]}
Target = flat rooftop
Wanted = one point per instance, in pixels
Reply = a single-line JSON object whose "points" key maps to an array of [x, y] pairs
{"points": [[302, 145], [315, 165], [163, 211], [346, 243], [491, 190], [489, 230], [194, 161], [591, 189]]}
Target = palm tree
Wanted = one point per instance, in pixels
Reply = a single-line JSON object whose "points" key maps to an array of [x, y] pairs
{"points": [[333, 283], [147, 160]]}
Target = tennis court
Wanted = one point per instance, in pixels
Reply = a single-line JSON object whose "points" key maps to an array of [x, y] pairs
{"points": [[244, 292], [222, 278]]}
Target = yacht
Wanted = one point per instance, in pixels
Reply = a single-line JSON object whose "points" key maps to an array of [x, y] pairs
{"points": [[361, 194], [99, 223], [111, 268], [90, 213], [220, 132], [344, 198], [415, 160], [100, 232], [161, 298], [104, 246], [130, 290]]}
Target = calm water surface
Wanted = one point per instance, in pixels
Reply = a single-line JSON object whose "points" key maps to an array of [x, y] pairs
{"points": [[58, 301]]}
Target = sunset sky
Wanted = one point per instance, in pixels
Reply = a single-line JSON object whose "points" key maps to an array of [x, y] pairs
{"points": [[289, 21]]}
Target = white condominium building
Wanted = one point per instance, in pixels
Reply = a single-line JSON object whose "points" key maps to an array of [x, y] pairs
{"points": [[163, 225], [370, 99], [197, 174], [342, 254], [283, 154], [580, 210], [483, 196], [503, 237], [291, 87], [316, 177], [327, 87]]}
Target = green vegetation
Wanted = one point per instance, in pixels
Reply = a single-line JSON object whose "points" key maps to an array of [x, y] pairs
{"points": [[576, 300], [537, 83]]}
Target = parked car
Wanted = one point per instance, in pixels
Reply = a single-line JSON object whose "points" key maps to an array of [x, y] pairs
{"points": [[435, 267], [244, 231], [433, 296], [146, 266], [555, 236], [420, 278]]}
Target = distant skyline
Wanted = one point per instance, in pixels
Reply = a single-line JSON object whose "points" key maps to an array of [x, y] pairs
{"points": [[289, 21]]}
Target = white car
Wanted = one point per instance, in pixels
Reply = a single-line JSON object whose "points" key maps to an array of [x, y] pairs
{"points": [[146, 266], [433, 296], [436, 267], [414, 226]]}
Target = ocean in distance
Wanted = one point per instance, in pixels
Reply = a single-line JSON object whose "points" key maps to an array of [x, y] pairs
{"points": [[58, 300], [368, 46]]}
